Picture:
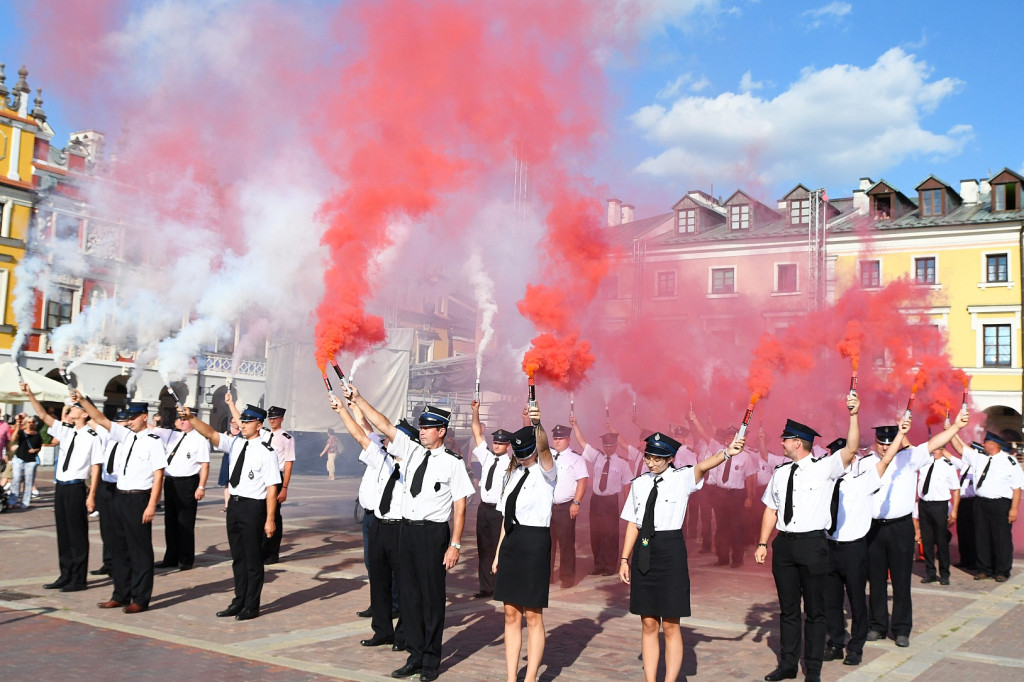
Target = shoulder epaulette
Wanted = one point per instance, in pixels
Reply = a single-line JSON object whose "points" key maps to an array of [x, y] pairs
{"points": [[286, 434], [265, 428], [70, 426], [947, 461], [685, 466], [636, 477], [267, 446], [818, 459], [91, 432], [784, 464], [453, 453], [1012, 460], [153, 435]]}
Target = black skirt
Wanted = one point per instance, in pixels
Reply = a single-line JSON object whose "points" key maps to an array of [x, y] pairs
{"points": [[524, 567], [665, 590]]}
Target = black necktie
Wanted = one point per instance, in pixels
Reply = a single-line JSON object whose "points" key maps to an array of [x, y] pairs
{"points": [[417, 478], [110, 460], [728, 470], [983, 474], [175, 450], [834, 507], [927, 480], [271, 439], [129, 455], [604, 474], [787, 513], [389, 490], [643, 561], [963, 477], [490, 475], [71, 448], [510, 504], [236, 473]]}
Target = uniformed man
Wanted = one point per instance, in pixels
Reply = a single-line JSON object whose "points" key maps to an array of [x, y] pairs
{"points": [[569, 492], [493, 464], [188, 467], [998, 481], [140, 462], [938, 501], [734, 484], [797, 508], [437, 486], [252, 489], [102, 488], [704, 502], [965, 532], [284, 446], [610, 474], [891, 543], [78, 444]]}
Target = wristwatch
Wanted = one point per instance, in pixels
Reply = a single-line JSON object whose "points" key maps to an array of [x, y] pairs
{"points": [[455, 545], [202, 487], [576, 502]]}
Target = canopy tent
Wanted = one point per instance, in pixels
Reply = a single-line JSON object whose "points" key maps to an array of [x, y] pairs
{"points": [[46, 390]]}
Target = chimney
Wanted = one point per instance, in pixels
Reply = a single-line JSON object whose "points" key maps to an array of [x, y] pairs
{"points": [[627, 213], [986, 189], [969, 191], [614, 212], [860, 201]]}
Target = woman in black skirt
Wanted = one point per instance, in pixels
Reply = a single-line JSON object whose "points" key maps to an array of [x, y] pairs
{"points": [[658, 575], [523, 559]]}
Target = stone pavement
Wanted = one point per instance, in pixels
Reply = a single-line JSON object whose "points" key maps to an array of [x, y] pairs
{"points": [[308, 629]]}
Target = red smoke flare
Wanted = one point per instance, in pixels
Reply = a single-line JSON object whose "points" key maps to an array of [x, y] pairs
{"points": [[849, 347], [562, 361]]}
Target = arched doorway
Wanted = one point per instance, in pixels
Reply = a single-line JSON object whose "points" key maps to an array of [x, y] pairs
{"points": [[1006, 422], [116, 395], [168, 408]]}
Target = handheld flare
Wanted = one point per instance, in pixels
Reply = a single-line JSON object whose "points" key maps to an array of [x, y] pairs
{"points": [[853, 384], [327, 383], [910, 406], [572, 406], [173, 395], [533, 393], [477, 393], [341, 375], [964, 406], [634, 408], [742, 431]]}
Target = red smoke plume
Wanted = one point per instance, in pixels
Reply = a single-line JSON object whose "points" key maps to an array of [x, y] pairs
{"points": [[561, 361], [849, 347]]}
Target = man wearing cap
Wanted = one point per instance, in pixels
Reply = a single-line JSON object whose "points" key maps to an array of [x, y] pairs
{"points": [[78, 445], [610, 474], [252, 489], [493, 465], [139, 461], [938, 501], [436, 491], [284, 446], [997, 484], [102, 488], [569, 491], [796, 506], [188, 466], [891, 545], [734, 485], [966, 538]]}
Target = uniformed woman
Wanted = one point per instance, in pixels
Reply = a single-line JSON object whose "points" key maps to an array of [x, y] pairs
{"points": [[523, 560], [653, 558]]}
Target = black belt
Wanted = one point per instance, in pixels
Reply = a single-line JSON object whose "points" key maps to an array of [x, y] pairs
{"points": [[182, 478], [367, 512], [422, 522], [389, 522], [240, 498], [886, 522], [134, 492], [846, 542], [805, 534], [77, 481], [492, 505], [110, 484], [561, 504]]}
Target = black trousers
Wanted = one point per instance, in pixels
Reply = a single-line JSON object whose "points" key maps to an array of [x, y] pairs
{"points": [[133, 550], [604, 532], [383, 551], [488, 530], [934, 517], [72, 521], [105, 506], [966, 533], [891, 550], [706, 500], [421, 590], [563, 542], [731, 524], [799, 566], [848, 578], [180, 507], [994, 535], [245, 522], [272, 545]]}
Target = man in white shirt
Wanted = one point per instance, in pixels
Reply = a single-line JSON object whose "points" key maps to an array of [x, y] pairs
{"points": [[493, 466], [569, 492], [188, 467], [938, 500], [284, 445], [609, 473]]}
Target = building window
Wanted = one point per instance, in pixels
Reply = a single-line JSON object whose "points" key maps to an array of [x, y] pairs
{"points": [[1005, 196], [58, 308], [870, 274], [425, 352], [995, 268], [785, 275], [666, 283], [924, 270], [997, 345], [723, 280], [739, 217], [931, 202], [800, 212], [883, 207], [688, 221]]}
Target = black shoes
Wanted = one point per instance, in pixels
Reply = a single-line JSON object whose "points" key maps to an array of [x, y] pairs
{"points": [[57, 584], [398, 646], [943, 581], [166, 564], [780, 674], [232, 610], [73, 588], [902, 641], [852, 658], [408, 670], [365, 614], [483, 594], [874, 636], [377, 641], [925, 581], [428, 675], [102, 570], [248, 614], [832, 653]]}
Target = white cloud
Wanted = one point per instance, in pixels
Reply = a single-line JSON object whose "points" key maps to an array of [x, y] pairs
{"points": [[683, 82], [748, 84], [834, 11], [830, 125]]}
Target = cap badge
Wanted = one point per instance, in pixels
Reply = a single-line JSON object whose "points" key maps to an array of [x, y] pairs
{"points": [[250, 475], [657, 436]]}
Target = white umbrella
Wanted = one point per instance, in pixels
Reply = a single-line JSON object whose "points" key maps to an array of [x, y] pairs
{"points": [[46, 390]]}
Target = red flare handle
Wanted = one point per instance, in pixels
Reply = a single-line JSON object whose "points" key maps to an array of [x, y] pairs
{"points": [[327, 383], [853, 384]]}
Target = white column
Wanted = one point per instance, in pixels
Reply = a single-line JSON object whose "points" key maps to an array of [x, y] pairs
{"points": [[12, 172], [5, 222]]}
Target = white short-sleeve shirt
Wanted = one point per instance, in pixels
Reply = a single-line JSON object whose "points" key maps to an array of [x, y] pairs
{"points": [[674, 490], [533, 506]]}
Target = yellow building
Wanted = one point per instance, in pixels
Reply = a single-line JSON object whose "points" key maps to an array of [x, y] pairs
{"points": [[965, 247]]}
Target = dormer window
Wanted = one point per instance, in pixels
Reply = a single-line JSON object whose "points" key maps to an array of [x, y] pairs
{"points": [[739, 217], [930, 202], [1005, 197], [883, 207], [687, 221], [800, 212]]}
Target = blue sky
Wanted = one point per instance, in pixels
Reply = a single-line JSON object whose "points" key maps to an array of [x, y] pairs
{"points": [[766, 94]]}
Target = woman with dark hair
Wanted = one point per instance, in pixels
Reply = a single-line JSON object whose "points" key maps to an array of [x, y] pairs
{"points": [[523, 559], [25, 444], [655, 568]]}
